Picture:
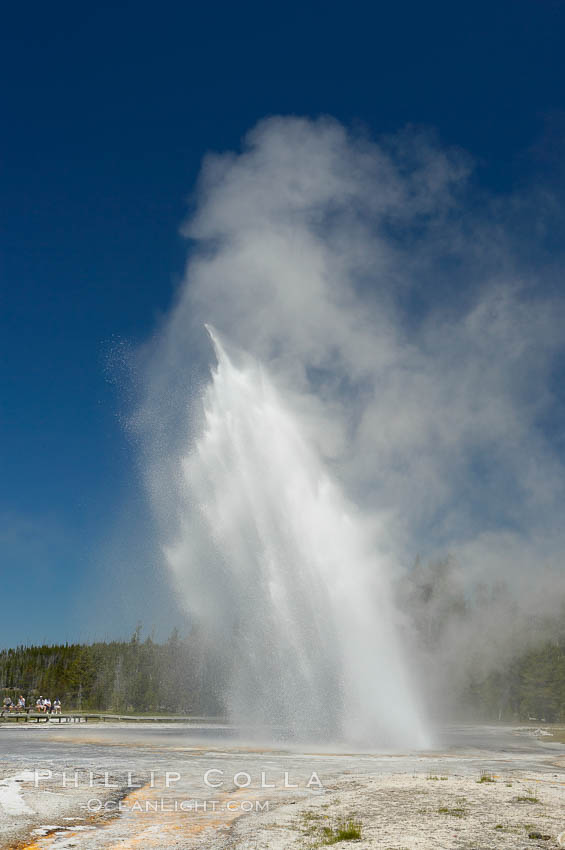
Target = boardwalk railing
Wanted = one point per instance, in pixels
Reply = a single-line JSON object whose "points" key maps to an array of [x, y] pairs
{"points": [[41, 717]]}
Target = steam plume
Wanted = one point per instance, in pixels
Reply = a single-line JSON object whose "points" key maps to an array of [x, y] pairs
{"points": [[393, 316]]}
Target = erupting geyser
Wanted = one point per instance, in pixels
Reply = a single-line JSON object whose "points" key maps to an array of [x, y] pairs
{"points": [[284, 573]]}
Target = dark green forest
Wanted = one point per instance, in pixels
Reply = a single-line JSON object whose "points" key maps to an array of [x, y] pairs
{"points": [[532, 687], [179, 676], [485, 652], [479, 652]]}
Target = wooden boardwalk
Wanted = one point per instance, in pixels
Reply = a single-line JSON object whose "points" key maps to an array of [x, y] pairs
{"points": [[41, 717]]}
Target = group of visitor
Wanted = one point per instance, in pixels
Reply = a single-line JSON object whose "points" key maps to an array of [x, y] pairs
{"points": [[9, 705], [43, 705], [47, 706]]}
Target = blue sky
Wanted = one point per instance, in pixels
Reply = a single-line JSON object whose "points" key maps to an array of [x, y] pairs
{"points": [[107, 112]]}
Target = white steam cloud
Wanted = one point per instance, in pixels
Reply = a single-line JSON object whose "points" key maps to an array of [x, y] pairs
{"points": [[384, 299]]}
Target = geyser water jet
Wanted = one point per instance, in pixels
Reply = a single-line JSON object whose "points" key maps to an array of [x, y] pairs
{"points": [[283, 571]]}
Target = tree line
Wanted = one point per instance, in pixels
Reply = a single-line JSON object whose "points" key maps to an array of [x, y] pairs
{"points": [[181, 675], [485, 651], [480, 653]]}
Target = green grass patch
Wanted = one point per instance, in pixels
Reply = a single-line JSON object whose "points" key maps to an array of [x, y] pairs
{"points": [[455, 812], [486, 777], [526, 799], [311, 821], [310, 815], [346, 830]]}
